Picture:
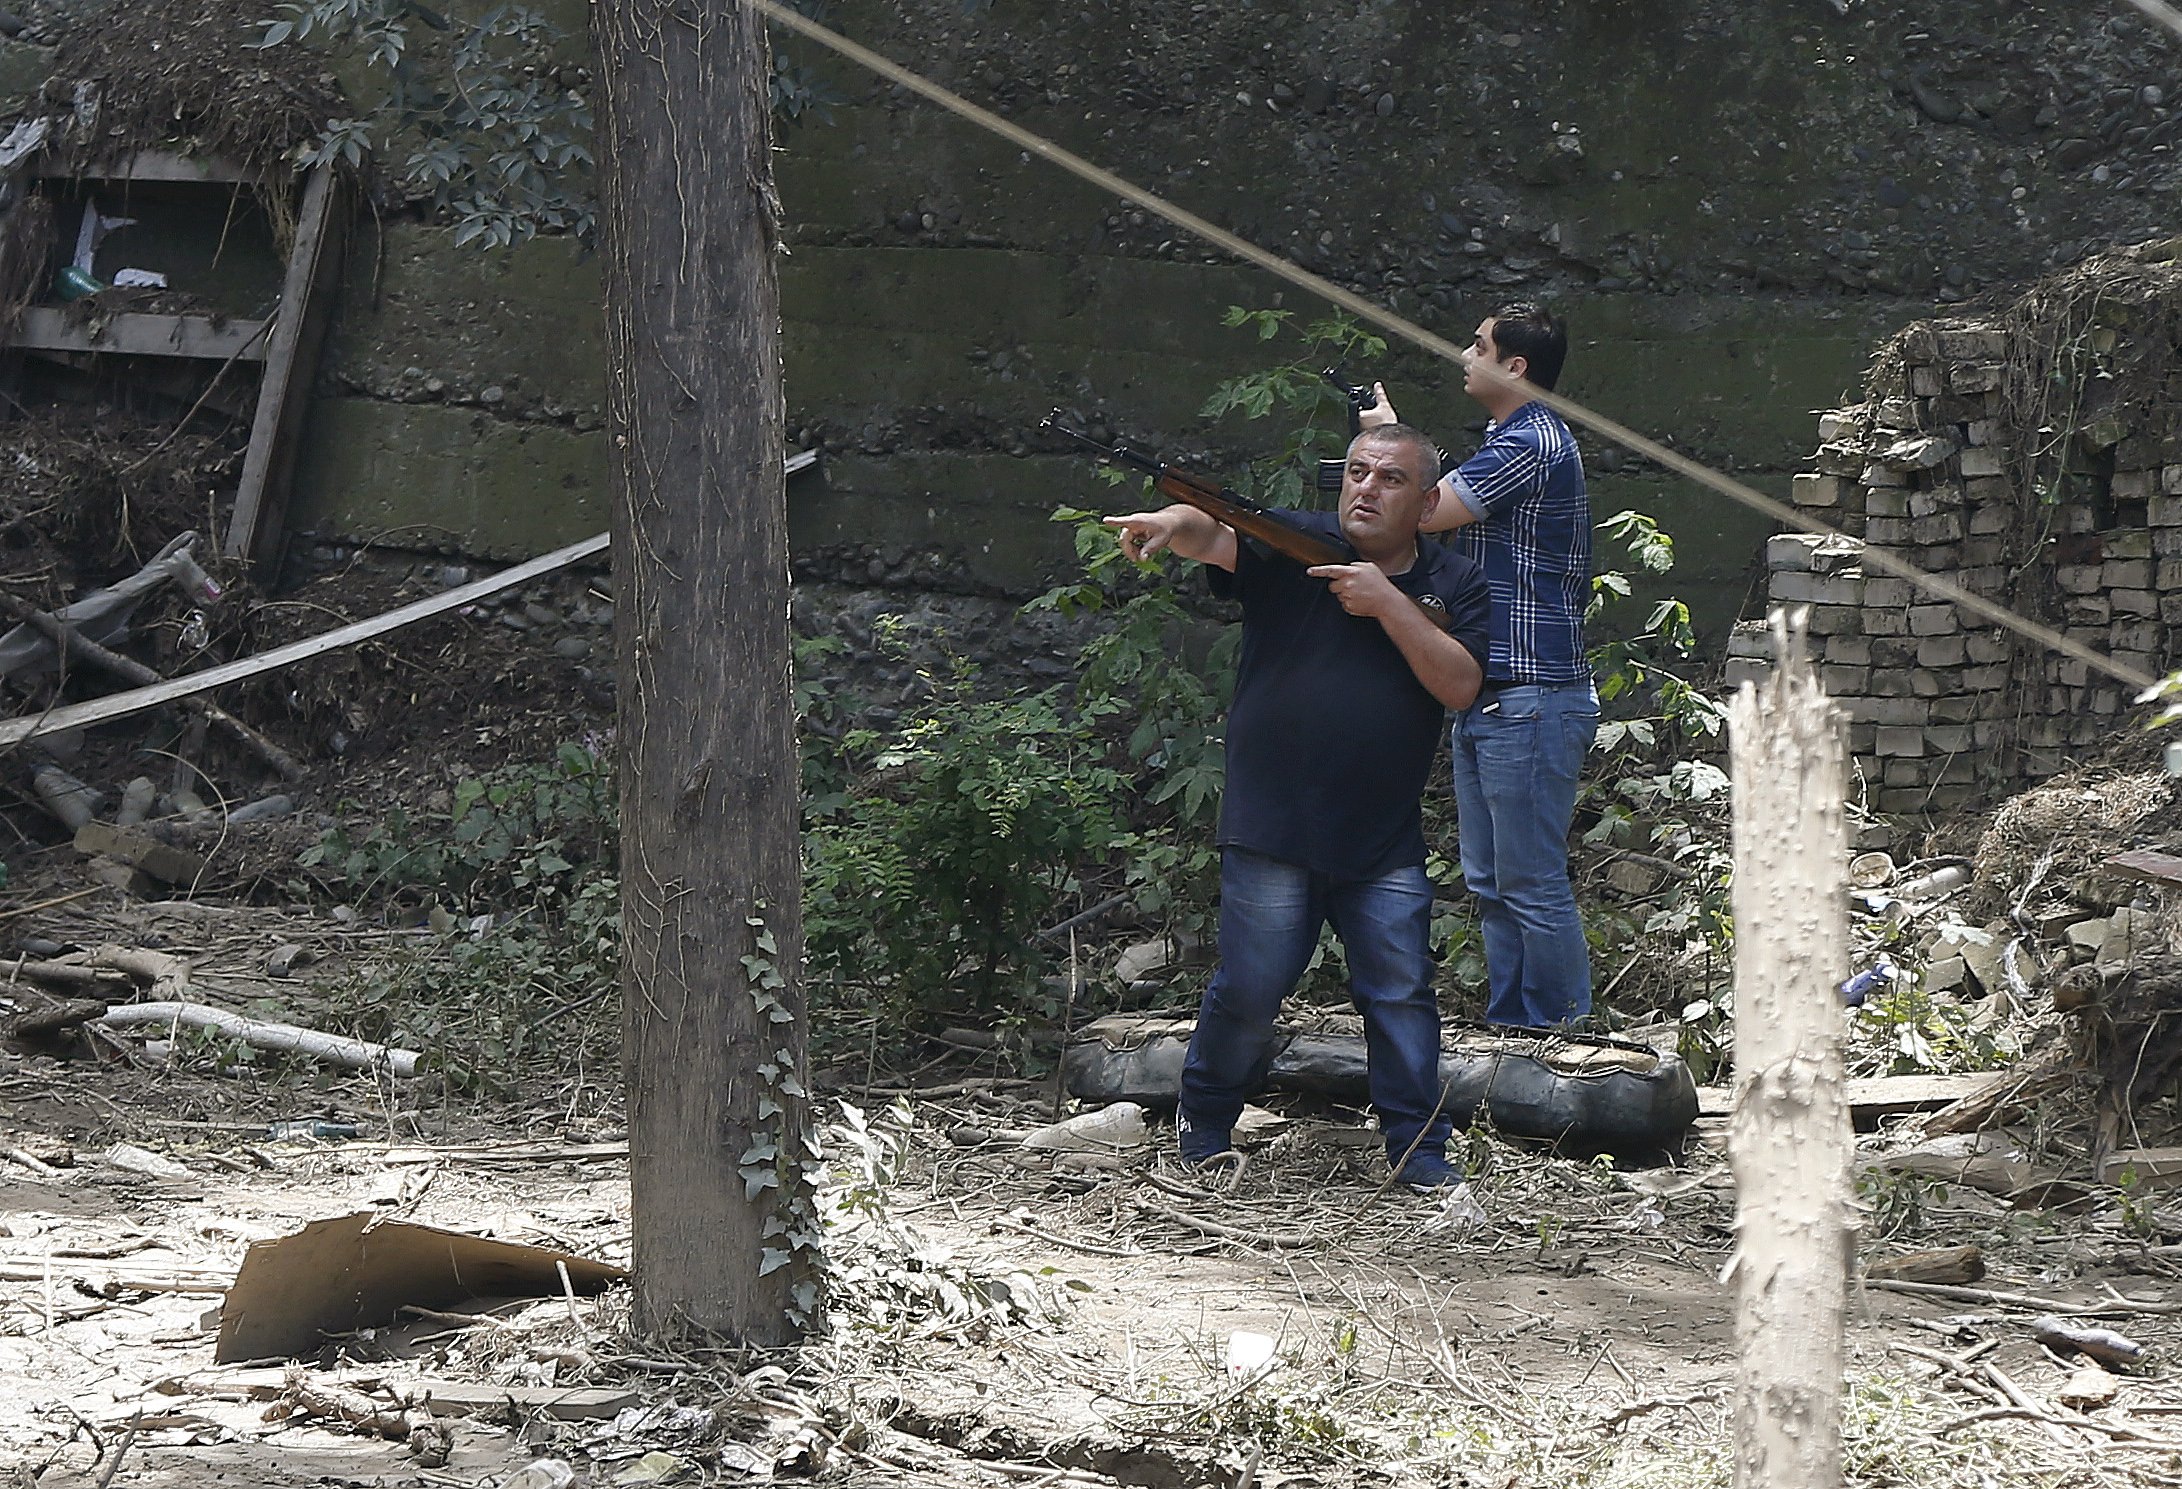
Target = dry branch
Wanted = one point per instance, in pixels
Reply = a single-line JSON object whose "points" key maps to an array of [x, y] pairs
{"points": [[333, 1049]]}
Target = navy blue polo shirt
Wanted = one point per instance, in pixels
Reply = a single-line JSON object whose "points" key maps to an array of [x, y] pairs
{"points": [[1331, 737]]}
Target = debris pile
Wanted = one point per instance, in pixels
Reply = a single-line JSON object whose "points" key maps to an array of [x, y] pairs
{"points": [[2054, 946], [2035, 459]]}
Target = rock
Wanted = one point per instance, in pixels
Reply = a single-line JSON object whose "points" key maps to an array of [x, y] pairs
{"points": [[574, 648], [1385, 106], [264, 809], [1932, 103], [1318, 95], [2088, 1389], [1945, 974], [1140, 961]]}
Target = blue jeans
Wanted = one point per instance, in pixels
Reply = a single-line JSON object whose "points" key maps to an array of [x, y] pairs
{"points": [[1270, 914], [1518, 751]]}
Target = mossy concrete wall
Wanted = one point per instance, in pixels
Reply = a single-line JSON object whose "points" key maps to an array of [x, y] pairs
{"points": [[1731, 204]]}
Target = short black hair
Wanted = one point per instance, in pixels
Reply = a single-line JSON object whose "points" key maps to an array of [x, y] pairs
{"points": [[1526, 329], [1428, 454]]}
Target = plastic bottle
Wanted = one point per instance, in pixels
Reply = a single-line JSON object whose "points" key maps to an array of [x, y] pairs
{"points": [[1110, 1127], [136, 802], [64, 796]]}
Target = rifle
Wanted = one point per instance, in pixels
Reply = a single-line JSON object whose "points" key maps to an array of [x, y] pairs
{"points": [[1358, 398], [1231, 509]]}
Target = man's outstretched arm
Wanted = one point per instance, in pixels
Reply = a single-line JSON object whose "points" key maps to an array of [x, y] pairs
{"points": [[1188, 532]]}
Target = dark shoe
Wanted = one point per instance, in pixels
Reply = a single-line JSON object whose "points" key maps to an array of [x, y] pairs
{"points": [[1200, 1143], [1425, 1172]]}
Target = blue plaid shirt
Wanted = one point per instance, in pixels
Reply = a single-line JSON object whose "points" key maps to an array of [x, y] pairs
{"points": [[1533, 540]]}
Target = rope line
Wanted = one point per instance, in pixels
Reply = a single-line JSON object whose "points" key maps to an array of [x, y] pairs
{"points": [[1439, 346]]}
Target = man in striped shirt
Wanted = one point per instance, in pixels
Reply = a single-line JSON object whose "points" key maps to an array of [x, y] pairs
{"points": [[1519, 510]]}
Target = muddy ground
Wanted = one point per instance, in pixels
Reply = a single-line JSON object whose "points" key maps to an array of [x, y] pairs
{"points": [[1002, 1318]]}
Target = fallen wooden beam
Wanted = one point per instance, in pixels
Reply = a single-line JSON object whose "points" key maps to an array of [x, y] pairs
{"points": [[262, 1034], [455, 1398], [75, 645], [1871, 1097], [46, 328], [136, 700]]}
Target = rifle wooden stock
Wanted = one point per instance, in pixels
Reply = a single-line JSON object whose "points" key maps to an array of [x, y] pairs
{"points": [[1253, 521], [1250, 520], [1246, 517]]}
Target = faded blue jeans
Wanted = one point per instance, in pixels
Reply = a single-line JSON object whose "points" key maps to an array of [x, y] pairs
{"points": [[1270, 914], [1518, 751]]}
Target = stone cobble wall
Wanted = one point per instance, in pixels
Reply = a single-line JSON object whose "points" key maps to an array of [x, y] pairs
{"points": [[2035, 458]]}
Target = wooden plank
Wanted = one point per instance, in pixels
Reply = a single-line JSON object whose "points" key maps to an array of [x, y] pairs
{"points": [[2154, 1168], [2143, 863], [1874, 1096], [165, 165], [462, 1398], [48, 328], [144, 165], [136, 700], [254, 527]]}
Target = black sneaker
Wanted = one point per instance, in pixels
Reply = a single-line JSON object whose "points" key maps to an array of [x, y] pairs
{"points": [[1200, 1143], [1425, 1172]]}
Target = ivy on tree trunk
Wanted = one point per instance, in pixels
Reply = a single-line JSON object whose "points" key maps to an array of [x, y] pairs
{"points": [[724, 1235]]}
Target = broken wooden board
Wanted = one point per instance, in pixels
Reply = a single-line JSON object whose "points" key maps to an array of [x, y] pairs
{"points": [[2156, 1168], [1872, 1097], [140, 850], [356, 1271], [137, 700], [47, 328], [2143, 863], [466, 1398], [257, 521]]}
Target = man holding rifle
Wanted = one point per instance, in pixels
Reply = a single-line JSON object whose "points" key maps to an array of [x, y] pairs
{"points": [[1344, 682]]}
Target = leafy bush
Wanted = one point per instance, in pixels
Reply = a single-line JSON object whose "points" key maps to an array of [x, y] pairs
{"points": [[949, 843]]}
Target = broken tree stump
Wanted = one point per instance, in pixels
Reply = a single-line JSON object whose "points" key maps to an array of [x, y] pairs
{"points": [[1789, 1141], [1956, 1264]]}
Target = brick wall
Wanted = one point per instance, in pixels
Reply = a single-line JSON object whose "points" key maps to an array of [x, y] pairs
{"points": [[2035, 459]]}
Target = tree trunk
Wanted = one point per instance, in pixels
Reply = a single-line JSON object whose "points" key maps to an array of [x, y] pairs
{"points": [[1789, 1141], [711, 912]]}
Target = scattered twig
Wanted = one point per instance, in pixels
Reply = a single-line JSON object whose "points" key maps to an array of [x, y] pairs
{"points": [[1282, 1239], [121, 1451], [2117, 1308], [1009, 1222]]}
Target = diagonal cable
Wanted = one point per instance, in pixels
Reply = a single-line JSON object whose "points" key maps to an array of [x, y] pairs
{"points": [[1439, 346]]}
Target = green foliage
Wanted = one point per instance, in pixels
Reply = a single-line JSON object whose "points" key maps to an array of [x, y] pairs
{"points": [[949, 842], [493, 127], [1903, 1030], [1316, 417], [1137, 668], [1651, 795], [797, 93], [519, 882]]}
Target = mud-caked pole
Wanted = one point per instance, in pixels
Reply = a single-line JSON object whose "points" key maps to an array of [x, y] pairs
{"points": [[1789, 1142]]}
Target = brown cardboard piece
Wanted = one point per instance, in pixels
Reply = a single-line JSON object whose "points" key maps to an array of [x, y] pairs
{"points": [[355, 1271]]}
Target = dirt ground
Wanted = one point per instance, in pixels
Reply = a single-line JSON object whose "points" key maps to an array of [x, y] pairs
{"points": [[1002, 1318]]}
